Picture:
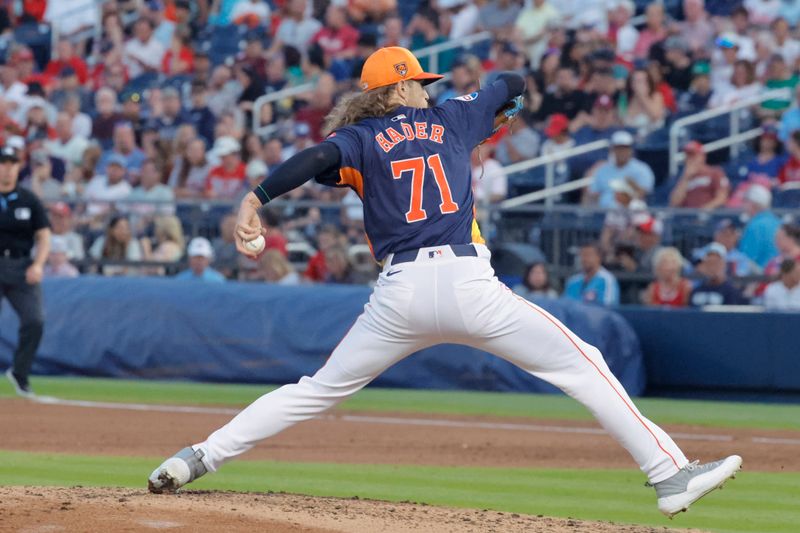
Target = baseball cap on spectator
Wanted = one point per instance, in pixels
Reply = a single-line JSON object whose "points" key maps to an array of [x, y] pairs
{"points": [[727, 40], [769, 130], [117, 159], [604, 102], [603, 54], [39, 156], [131, 96], [693, 147], [557, 124], [759, 195], [715, 248], [676, 42], [61, 208], [622, 185], [449, 4], [22, 54], [7, 153], [621, 138], [650, 225], [728, 223], [302, 129], [170, 92], [390, 65], [67, 72], [256, 169], [200, 246], [225, 146], [510, 48], [16, 142], [701, 68]]}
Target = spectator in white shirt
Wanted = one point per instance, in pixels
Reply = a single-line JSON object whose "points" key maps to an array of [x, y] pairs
{"points": [[785, 45], [463, 17], [296, 29], [620, 17], [102, 191], [66, 145], [143, 53], [156, 198], [784, 294], [489, 181], [251, 12], [763, 12]]}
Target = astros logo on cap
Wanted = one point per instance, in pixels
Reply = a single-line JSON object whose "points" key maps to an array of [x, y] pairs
{"points": [[387, 66]]}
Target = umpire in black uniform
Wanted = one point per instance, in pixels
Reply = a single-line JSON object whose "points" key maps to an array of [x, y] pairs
{"points": [[23, 223]]}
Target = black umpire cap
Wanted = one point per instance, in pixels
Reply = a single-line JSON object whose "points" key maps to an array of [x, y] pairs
{"points": [[8, 153]]}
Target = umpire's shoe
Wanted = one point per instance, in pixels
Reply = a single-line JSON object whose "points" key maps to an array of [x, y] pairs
{"points": [[21, 386], [180, 469], [694, 481]]}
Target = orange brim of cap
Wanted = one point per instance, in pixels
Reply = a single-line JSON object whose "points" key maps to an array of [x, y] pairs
{"points": [[426, 78]]}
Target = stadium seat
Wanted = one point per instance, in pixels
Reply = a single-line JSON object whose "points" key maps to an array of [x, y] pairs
{"points": [[786, 199]]}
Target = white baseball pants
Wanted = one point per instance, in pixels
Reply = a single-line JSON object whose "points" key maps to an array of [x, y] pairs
{"points": [[440, 298]]}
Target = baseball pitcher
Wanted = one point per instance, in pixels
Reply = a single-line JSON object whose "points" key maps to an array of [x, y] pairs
{"points": [[410, 164]]}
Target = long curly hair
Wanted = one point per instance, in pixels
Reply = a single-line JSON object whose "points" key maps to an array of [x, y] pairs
{"points": [[358, 106]]}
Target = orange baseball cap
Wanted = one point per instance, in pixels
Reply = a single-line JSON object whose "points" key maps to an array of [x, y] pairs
{"points": [[387, 66]]}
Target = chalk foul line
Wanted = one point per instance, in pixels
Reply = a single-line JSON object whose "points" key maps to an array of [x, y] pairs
{"points": [[402, 421]]}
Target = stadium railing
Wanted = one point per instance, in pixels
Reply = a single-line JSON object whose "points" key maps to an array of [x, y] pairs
{"points": [[734, 137], [432, 52]]}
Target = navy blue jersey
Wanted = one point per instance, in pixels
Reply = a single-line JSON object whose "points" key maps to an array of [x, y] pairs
{"points": [[412, 170]]}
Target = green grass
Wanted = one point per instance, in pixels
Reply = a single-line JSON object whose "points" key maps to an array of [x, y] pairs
{"points": [[754, 502], [553, 407]]}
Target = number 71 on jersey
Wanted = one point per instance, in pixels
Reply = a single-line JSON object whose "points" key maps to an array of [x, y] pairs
{"points": [[416, 166]]}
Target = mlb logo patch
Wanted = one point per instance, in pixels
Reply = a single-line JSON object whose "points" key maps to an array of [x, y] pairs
{"points": [[467, 97], [434, 253], [22, 213], [401, 69]]}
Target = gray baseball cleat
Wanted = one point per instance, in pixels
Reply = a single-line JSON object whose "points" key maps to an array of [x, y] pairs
{"points": [[692, 482], [180, 469]]}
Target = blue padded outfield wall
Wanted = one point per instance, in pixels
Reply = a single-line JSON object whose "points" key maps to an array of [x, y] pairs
{"points": [[252, 332], [719, 351]]}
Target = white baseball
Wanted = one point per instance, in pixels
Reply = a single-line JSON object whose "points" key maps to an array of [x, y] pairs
{"points": [[256, 245]]}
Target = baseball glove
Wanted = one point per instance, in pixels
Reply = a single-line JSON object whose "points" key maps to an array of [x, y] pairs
{"points": [[508, 113]]}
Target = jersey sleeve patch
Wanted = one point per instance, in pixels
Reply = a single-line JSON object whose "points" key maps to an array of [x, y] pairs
{"points": [[467, 97]]}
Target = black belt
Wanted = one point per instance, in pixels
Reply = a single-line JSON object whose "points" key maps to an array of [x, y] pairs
{"points": [[459, 250], [13, 254]]}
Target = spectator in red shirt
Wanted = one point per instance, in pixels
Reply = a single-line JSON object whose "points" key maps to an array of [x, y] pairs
{"points": [[669, 288], [787, 240], [319, 106], [701, 186], [179, 59], [273, 236], [790, 172], [338, 39], [225, 180], [327, 238], [65, 52]]}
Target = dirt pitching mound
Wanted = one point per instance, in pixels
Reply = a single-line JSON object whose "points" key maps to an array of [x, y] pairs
{"points": [[81, 509]]}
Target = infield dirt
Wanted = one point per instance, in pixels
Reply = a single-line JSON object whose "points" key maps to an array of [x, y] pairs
{"points": [[55, 510]]}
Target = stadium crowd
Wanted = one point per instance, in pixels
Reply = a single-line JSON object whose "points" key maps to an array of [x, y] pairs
{"points": [[141, 115]]}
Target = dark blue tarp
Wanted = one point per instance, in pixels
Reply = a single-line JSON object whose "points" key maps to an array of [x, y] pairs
{"points": [[259, 333]]}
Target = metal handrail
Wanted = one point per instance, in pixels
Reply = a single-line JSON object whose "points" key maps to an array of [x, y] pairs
{"points": [[549, 192], [268, 98], [678, 125], [434, 50]]}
